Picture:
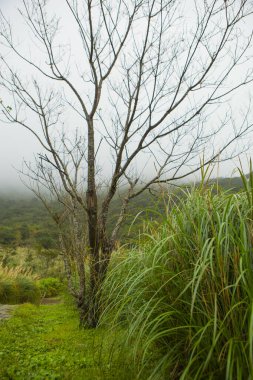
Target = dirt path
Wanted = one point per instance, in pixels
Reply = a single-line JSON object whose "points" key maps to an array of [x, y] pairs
{"points": [[6, 311]]}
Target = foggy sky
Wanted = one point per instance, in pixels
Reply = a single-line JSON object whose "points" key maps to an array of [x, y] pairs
{"points": [[17, 144]]}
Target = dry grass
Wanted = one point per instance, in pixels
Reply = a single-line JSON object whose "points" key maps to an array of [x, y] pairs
{"points": [[15, 272]]}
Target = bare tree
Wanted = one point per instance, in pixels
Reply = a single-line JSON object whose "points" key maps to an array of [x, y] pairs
{"points": [[149, 88], [42, 178]]}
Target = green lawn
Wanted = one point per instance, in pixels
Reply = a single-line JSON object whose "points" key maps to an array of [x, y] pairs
{"points": [[46, 342]]}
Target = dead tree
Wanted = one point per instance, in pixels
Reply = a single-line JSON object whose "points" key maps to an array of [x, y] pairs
{"points": [[43, 179], [148, 88]]}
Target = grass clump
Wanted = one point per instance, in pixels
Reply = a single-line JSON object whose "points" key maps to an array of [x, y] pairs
{"points": [[17, 285], [185, 296]]}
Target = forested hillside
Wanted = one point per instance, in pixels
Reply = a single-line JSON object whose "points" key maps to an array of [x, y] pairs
{"points": [[25, 221]]}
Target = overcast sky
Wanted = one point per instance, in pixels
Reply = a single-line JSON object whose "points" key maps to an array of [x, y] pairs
{"points": [[17, 144]]}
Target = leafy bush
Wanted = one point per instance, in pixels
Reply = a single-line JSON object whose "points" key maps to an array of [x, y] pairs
{"points": [[50, 287], [185, 297]]}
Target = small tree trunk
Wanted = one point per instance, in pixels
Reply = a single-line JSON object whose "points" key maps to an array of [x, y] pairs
{"points": [[82, 280], [79, 257], [67, 266]]}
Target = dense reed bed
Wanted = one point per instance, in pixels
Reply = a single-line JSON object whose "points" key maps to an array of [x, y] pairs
{"points": [[184, 296]]}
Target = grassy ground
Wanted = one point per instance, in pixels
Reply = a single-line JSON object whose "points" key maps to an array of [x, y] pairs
{"points": [[45, 342]]}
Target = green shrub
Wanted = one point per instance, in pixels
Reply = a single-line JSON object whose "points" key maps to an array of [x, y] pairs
{"points": [[50, 287]]}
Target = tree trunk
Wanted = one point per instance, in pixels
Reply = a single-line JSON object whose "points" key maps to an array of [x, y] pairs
{"points": [[92, 212], [99, 267]]}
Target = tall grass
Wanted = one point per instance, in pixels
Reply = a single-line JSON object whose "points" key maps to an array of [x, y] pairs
{"points": [[18, 285], [185, 295]]}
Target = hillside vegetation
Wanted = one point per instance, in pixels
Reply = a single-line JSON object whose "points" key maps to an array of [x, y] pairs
{"points": [[25, 222]]}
